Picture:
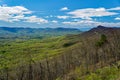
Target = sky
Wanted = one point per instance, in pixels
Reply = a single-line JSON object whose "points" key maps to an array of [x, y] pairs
{"points": [[59, 13]]}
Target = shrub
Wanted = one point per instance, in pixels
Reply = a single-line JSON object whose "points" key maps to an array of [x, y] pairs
{"points": [[68, 44], [102, 40]]}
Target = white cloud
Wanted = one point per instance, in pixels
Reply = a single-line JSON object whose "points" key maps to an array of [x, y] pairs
{"points": [[54, 21], [90, 23], [117, 18], [113, 9], [64, 9], [62, 17], [88, 13], [9, 13], [18, 13], [14, 10], [49, 16], [34, 19], [81, 22]]}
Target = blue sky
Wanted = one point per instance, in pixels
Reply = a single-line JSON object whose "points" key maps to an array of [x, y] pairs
{"points": [[59, 13]]}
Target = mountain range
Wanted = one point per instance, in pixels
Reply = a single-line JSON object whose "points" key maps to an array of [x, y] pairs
{"points": [[7, 32]]}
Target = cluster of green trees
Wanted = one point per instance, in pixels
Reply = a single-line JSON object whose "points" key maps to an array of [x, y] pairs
{"points": [[102, 40]]}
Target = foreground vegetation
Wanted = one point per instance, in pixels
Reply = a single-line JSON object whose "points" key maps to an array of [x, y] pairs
{"points": [[106, 73]]}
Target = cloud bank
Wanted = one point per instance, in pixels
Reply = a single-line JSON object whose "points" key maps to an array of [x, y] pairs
{"points": [[78, 17], [19, 13], [88, 13]]}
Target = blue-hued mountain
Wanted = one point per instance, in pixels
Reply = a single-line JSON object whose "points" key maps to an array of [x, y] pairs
{"points": [[14, 32]]}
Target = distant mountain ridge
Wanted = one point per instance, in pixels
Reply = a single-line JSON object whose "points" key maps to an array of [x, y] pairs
{"points": [[14, 32]]}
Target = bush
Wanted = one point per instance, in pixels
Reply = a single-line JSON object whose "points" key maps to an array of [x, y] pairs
{"points": [[68, 44], [102, 40], [93, 76]]}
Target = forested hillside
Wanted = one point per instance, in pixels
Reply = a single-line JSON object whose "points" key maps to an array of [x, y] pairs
{"points": [[28, 33], [92, 55]]}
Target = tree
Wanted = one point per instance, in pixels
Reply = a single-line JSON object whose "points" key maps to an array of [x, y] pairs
{"points": [[102, 40]]}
